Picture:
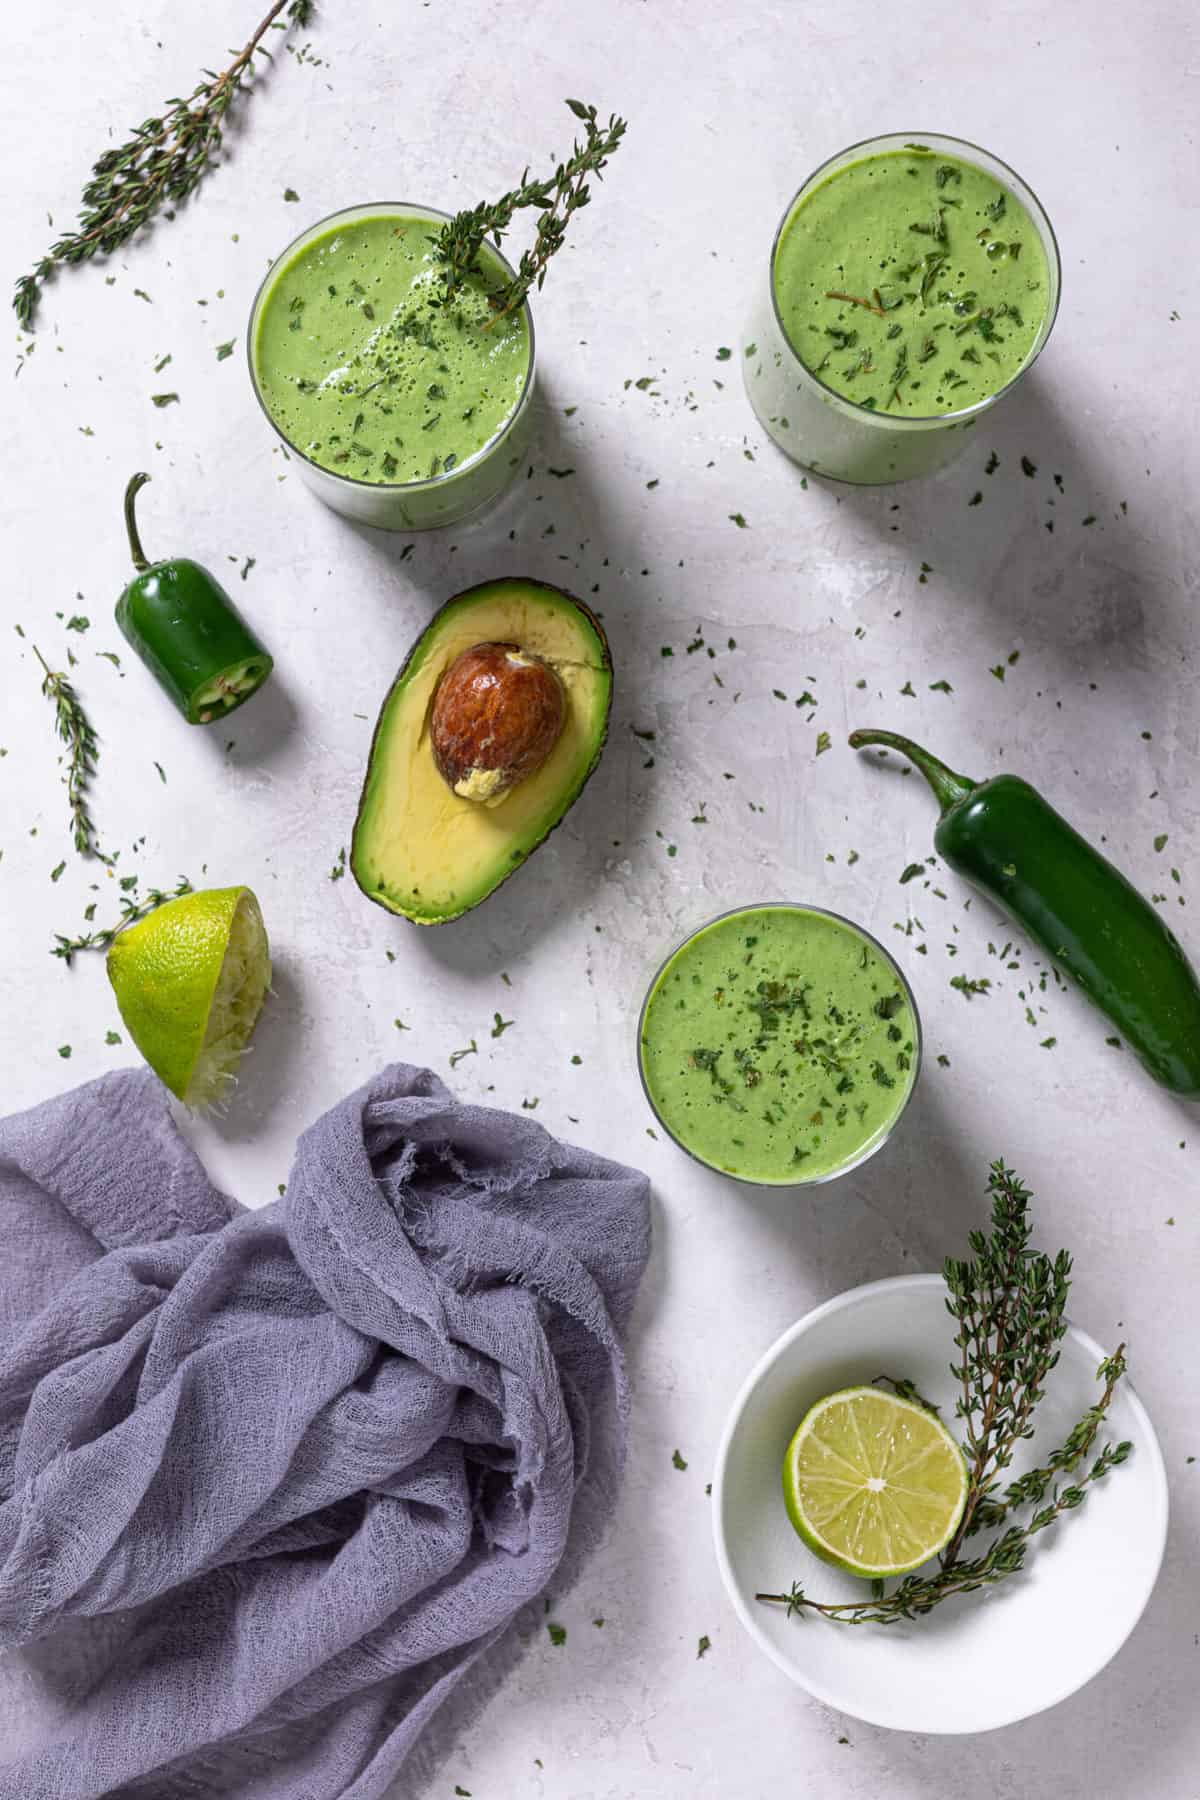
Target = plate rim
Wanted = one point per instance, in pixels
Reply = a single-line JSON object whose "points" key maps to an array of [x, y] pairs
{"points": [[798, 1328]]}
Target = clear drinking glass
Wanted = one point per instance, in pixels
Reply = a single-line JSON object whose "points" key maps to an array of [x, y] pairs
{"points": [[443, 499], [880, 1136], [834, 436]]}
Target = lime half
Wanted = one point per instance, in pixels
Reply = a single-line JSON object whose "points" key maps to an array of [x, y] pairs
{"points": [[874, 1484], [190, 980]]}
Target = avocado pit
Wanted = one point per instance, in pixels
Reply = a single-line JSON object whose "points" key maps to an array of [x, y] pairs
{"points": [[496, 716]]}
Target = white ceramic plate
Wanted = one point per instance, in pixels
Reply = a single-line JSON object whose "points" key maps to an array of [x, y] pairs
{"points": [[978, 1661]]}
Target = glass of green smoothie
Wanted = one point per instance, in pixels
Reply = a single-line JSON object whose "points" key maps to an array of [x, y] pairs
{"points": [[913, 281], [397, 411], [779, 1044]]}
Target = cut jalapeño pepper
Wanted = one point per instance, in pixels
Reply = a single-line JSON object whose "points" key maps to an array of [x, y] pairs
{"points": [[188, 631]]}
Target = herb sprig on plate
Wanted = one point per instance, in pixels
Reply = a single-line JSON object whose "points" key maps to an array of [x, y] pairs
{"points": [[163, 161], [1009, 1304], [555, 199]]}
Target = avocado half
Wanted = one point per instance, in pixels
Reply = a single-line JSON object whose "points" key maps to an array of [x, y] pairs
{"points": [[419, 848]]}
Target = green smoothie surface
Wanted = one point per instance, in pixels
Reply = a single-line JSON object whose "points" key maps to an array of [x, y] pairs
{"points": [[364, 374], [778, 1043], [912, 282]]}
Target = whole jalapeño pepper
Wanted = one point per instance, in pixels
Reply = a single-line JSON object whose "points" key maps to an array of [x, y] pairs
{"points": [[188, 632], [1002, 836]]}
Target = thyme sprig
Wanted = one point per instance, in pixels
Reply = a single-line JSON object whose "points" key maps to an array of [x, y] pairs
{"points": [[1009, 1305], [163, 161], [1032, 1487], [875, 305], [555, 199], [75, 730], [131, 911]]}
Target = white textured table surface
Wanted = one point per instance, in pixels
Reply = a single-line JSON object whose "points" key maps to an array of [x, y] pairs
{"points": [[1097, 110]]}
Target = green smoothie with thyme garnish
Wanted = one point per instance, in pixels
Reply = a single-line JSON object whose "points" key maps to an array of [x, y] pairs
{"points": [[364, 373], [912, 282], [779, 1044]]}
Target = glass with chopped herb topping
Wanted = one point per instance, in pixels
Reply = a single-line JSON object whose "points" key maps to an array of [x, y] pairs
{"points": [[779, 1044], [913, 281], [398, 411]]}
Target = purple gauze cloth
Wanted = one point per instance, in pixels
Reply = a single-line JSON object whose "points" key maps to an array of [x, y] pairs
{"points": [[315, 1457]]}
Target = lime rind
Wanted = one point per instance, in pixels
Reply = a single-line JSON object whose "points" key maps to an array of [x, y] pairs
{"points": [[902, 1498]]}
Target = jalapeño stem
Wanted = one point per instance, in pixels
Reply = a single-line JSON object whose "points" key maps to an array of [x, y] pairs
{"points": [[135, 485], [948, 788]]}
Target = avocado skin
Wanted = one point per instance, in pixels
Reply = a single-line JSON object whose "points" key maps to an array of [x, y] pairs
{"points": [[606, 664]]}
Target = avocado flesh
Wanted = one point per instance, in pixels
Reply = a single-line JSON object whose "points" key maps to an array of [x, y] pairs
{"points": [[426, 852]]}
